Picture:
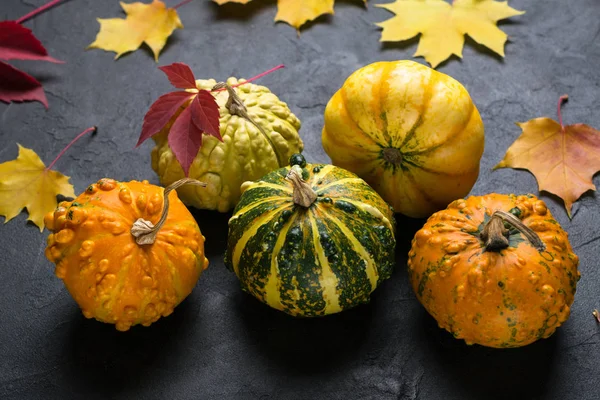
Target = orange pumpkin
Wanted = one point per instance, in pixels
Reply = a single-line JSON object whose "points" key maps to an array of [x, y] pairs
{"points": [[411, 132], [113, 277], [496, 270]]}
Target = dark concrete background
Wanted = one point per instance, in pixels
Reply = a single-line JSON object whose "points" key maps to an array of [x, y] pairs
{"points": [[220, 343]]}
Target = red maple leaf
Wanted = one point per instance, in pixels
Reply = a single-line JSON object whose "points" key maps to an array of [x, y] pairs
{"points": [[19, 43], [200, 117]]}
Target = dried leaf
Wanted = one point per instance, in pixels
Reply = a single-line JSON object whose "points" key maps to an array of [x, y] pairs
{"points": [[596, 315], [25, 182], [200, 117], [563, 158], [19, 43], [150, 23], [443, 25], [295, 12]]}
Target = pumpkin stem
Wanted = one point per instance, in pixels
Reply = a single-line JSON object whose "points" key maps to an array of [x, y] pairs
{"points": [[236, 106], [495, 235], [304, 195], [145, 231]]}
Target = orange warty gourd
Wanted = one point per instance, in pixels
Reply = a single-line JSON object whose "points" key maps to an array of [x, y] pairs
{"points": [[411, 132], [496, 270], [117, 277]]}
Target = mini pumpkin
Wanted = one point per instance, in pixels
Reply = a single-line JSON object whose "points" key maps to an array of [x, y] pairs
{"points": [[496, 270], [259, 133], [128, 252], [411, 132], [311, 240]]}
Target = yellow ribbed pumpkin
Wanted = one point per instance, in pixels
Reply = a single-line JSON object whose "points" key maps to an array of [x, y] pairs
{"points": [[411, 132]]}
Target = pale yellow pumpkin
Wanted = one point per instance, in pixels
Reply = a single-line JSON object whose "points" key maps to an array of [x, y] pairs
{"points": [[411, 132]]}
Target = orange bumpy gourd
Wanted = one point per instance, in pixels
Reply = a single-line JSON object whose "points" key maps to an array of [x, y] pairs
{"points": [[496, 270], [112, 277]]}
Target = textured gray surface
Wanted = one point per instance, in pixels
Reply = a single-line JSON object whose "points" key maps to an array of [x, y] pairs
{"points": [[220, 343]]}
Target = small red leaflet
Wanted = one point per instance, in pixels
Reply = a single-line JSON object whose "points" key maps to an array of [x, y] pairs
{"points": [[200, 117], [19, 43], [16, 85]]}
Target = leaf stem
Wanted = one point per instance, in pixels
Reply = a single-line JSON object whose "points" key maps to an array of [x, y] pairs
{"points": [[183, 3], [561, 100], [37, 11], [280, 66], [93, 128]]}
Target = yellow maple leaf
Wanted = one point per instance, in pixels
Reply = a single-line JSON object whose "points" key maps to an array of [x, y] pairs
{"points": [[150, 23], [296, 12], [563, 158], [443, 26], [27, 183]]}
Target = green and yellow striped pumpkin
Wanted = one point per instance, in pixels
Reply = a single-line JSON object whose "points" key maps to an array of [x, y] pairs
{"points": [[311, 240]]}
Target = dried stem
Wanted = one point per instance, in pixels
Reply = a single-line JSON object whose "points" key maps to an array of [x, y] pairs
{"points": [[304, 195], [93, 128], [236, 106], [561, 100], [145, 231], [495, 235], [37, 11]]}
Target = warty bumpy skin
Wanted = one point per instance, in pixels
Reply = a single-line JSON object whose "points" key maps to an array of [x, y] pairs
{"points": [[245, 153]]}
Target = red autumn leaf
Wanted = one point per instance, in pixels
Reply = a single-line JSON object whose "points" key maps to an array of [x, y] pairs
{"points": [[180, 75], [205, 114], [185, 139], [200, 117], [19, 43], [161, 112], [18, 86]]}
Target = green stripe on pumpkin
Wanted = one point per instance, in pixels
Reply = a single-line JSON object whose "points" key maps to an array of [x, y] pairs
{"points": [[299, 270]]}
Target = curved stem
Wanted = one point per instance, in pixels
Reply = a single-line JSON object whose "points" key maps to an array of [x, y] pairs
{"points": [[235, 105], [145, 231], [220, 89], [183, 3], [495, 235], [561, 100], [37, 11], [93, 128], [304, 195]]}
